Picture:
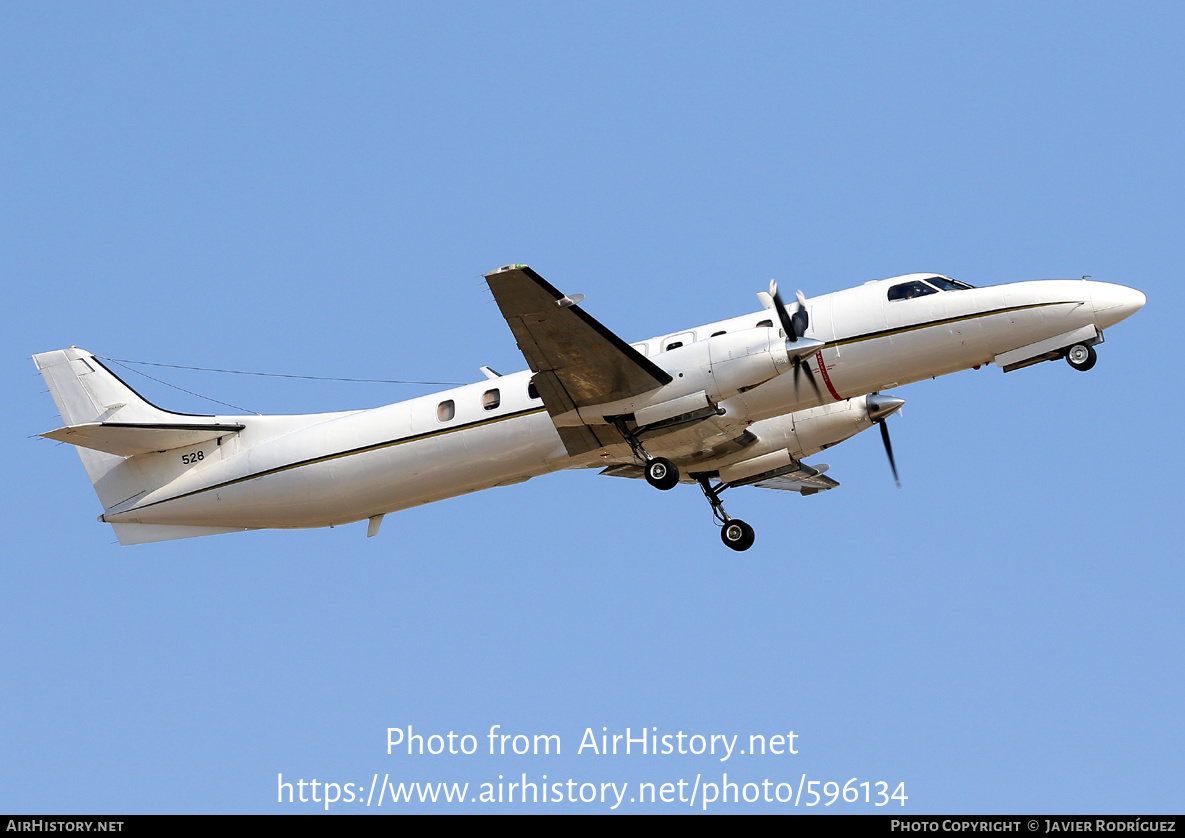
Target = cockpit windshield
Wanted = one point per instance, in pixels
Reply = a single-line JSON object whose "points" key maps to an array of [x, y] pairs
{"points": [[943, 283], [920, 288], [910, 290]]}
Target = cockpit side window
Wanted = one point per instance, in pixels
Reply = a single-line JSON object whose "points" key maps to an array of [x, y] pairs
{"points": [[910, 290]]}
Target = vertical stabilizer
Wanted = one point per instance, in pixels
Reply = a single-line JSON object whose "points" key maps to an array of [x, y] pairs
{"points": [[86, 392]]}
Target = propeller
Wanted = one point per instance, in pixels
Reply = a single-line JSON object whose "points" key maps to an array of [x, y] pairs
{"points": [[881, 408], [795, 327]]}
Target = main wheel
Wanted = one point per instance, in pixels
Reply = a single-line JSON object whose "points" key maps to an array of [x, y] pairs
{"points": [[662, 474], [737, 535], [1081, 357]]}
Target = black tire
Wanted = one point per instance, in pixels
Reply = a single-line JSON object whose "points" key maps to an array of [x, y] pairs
{"points": [[737, 535], [662, 474], [1081, 357]]}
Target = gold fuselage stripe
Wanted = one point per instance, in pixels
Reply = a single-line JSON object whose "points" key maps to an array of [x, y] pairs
{"points": [[495, 419], [324, 458]]}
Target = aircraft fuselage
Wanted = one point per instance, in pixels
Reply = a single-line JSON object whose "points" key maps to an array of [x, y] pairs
{"points": [[328, 469]]}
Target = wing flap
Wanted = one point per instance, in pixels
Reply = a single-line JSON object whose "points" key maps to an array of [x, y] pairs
{"points": [[803, 481], [638, 473], [580, 439]]}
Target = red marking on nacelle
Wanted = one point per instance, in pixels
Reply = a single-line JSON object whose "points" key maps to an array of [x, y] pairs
{"points": [[826, 377]]}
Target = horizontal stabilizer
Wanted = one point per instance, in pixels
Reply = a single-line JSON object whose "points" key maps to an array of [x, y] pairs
{"points": [[148, 533], [128, 440]]}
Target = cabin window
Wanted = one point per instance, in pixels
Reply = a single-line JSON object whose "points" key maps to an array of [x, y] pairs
{"points": [[446, 410], [532, 391], [491, 399], [768, 324], [673, 345], [910, 290], [714, 334]]}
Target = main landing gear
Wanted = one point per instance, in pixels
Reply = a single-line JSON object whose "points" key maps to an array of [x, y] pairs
{"points": [[1081, 357], [735, 533], [662, 474]]}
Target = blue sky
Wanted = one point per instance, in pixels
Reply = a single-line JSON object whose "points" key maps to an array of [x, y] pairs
{"points": [[317, 189]]}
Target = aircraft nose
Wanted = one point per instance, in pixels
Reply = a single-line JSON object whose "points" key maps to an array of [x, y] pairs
{"points": [[1113, 303]]}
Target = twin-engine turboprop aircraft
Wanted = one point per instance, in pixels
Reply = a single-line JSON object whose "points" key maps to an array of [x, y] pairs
{"points": [[740, 402]]}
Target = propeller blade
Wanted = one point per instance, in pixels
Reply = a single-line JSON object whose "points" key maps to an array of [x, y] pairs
{"points": [[801, 318], [889, 449], [787, 324], [803, 366]]}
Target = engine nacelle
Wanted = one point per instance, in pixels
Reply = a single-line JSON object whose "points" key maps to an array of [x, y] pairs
{"points": [[719, 367], [807, 432], [742, 360]]}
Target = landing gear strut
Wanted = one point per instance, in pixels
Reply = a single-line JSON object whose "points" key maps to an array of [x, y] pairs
{"points": [[735, 533], [1081, 357], [661, 473]]}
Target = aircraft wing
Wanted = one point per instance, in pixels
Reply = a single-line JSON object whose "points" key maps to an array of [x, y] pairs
{"points": [[577, 362], [806, 480], [800, 481]]}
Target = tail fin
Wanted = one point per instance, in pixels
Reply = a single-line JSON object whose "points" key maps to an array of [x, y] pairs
{"points": [[85, 391], [108, 423]]}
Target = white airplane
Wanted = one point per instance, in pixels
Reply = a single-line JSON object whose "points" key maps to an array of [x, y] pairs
{"points": [[734, 403]]}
